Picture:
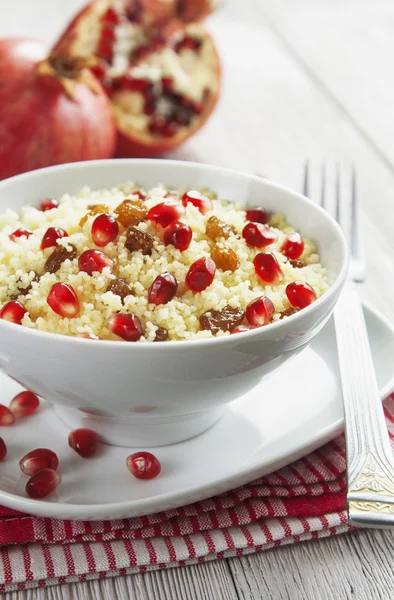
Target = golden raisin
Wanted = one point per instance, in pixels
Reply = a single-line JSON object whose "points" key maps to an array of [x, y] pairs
{"points": [[225, 258], [226, 319], [94, 209], [288, 312], [297, 263], [161, 335], [136, 239], [120, 288], [131, 212], [58, 256], [217, 229]]}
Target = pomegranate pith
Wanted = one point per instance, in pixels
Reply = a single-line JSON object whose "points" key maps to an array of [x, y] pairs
{"points": [[105, 229], [63, 300], [179, 235], [43, 483], [293, 246], [300, 294], [258, 235], [21, 232], [126, 326], [36, 460], [163, 289], [24, 404], [143, 465], [92, 261], [6, 416], [3, 449], [201, 274], [259, 312], [267, 267], [51, 236], [13, 311], [166, 212], [48, 204], [199, 200], [83, 441]]}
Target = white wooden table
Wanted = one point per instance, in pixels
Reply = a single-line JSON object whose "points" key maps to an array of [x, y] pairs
{"points": [[302, 79]]}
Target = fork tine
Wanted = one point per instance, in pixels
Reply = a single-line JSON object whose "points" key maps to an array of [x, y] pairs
{"points": [[305, 189]]}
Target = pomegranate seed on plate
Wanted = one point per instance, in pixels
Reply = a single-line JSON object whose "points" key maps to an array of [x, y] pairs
{"points": [[199, 200], [126, 326], [179, 235], [300, 294], [260, 311], [63, 300], [163, 289], [36, 460], [51, 236], [267, 267], [43, 483], [83, 441], [105, 229], [6, 416], [166, 212], [3, 449], [87, 336], [293, 246], [21, 232], [258, 215], [242, 329], [258, 235], [143, 465], [24, 404], [201, 274], [92, 261], [13, 311], [48, 204]]}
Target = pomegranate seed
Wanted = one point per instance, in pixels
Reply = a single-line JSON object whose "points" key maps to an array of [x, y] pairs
{"points": [[6, 416], [258, 215], [110, 17], [48, 204], [300, 294], [63, 300], [83, 441], [99, 70], [36, 460], [13, 311], [150, 108], [43, 483], [126, 326], [51, 236], [24, 404], [162, 126], [260, 311], [3, 449], [198, 200], [163, 289], [166, 212], [258, 235], [139, 194], [87, 336], [167, 83], [242, 329], [201, 274], [105, 229], [143, 465], [293, 246], [267, 267], [94, 261], [179, 235], [21, 232]]}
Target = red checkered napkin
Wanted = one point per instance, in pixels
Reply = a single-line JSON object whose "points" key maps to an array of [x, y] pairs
{"points": [[303, 501]]}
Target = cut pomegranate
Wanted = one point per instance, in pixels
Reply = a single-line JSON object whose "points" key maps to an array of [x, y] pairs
{"points": [[260, 311], [3, 449], [6, 416], [43, 483], [242, 329], [300, 294], [179, 235], [199, 200], [87, 336], [13, 311], [83, 441], [163, 289], [63, 300], [293, 246], [21, 232], [36, 460], [24, 404], [258, 235], [48, 204], [267, 267], [126, 326], [105, 229], [94, 261], [166, 212], [51, 236], [201, 274], [143, 465], [258, 215]]}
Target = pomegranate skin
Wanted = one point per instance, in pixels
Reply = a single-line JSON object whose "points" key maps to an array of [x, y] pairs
{"points": [[40, 125]]}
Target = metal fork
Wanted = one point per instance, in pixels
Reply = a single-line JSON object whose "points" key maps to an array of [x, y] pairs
{"points": [[370, 464]]}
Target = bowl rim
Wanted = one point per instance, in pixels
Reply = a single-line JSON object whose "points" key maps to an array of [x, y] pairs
{"points": [[195, 343]]}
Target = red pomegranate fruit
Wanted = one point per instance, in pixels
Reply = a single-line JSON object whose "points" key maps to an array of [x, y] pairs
{"points": [[52, 111]]}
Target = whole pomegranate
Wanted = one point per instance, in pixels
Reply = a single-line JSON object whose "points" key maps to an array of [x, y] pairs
{"points": [[51, 111]]}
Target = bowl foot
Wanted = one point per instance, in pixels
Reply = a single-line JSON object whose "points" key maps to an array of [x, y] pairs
{"points": [[141, 431]]}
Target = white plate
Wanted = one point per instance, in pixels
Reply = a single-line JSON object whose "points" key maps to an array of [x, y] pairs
{"points": [[298, 409]]}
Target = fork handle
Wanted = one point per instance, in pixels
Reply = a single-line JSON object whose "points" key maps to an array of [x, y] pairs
{"points": [[370, 465]]}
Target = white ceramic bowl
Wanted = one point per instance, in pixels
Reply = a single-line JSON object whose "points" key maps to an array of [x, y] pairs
{"points": [[152, 394]]}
